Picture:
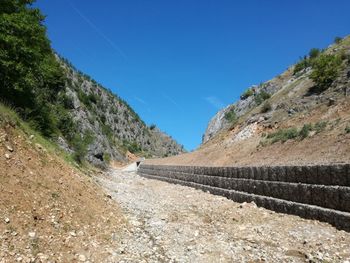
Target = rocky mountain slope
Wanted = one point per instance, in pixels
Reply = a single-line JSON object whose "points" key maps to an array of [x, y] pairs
{"points": [[300, 116], [64, 104], [108, 123]]}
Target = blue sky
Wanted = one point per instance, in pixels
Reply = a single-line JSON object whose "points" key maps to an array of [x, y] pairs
{"points": [[178, 62]]}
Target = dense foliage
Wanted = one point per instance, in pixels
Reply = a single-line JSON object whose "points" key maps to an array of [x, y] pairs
{"points": [[30, 75], [325, 70]]}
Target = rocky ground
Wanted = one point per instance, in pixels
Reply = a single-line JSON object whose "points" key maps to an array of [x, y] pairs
{"points": [[172, 223]]}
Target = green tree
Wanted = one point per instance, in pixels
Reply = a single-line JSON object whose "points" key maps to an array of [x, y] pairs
{"points": [[30, 75]]}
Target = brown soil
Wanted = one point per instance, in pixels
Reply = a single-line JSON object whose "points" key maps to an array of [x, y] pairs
{"points": [[49, 211]]}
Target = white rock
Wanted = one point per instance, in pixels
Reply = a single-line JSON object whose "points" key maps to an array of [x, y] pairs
{"points": [[82, 258], [8, 147], [7, 220], [31, 234], [7, 156]]}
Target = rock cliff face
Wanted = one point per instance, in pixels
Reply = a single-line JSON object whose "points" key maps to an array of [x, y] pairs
{"points": [[108, 125], [242, 106], [294, 100]]}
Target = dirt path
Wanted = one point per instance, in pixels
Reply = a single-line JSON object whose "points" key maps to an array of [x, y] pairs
{"points": [[172, 223]]}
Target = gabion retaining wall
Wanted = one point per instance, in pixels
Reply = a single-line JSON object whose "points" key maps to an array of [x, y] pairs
{"points": [[319, 192]]}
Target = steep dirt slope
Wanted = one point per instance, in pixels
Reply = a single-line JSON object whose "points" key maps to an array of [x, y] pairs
{"points": [[299, 125], [49, 211]]}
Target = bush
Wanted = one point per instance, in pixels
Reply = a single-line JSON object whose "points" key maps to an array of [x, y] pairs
{"points": [[293, 133], [266, 107], [325, 70], [283, 135], [320, 126], [231, 116], [152, 126], [314, 53], [107, 158], [337, 40], [65, 123], [132, 147], [261, 97], [80, 145], [305, 130], [247, 94], [301, 65]]}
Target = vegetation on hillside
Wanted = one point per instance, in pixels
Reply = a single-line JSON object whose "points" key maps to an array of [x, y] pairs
{"points": [[30, 75], [283, 135], [325, 70], [246, 94], [231, 116]]}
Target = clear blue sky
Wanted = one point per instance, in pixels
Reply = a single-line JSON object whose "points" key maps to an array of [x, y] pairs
{"points": [[178, 62]]}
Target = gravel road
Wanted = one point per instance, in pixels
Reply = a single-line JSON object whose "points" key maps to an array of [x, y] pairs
{"points": [[173, 223]]}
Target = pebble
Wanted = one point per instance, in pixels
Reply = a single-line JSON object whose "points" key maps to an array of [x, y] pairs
{"points": [[7, 220], [82, 258], [32, 234], [9, 148], [7, 156]]}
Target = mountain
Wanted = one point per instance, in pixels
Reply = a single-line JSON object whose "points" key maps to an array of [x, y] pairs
{"points": [[64, 104], [301, 116], [110, 125]]}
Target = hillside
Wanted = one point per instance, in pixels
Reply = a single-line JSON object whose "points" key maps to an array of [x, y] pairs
{"points": [[64, 104], [50, 211], [111, 126], [301, 116]]}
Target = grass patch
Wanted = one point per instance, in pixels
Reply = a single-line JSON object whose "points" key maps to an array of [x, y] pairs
{"points": [[293, 133], [320, 126], [283, 135], [9, 116]]}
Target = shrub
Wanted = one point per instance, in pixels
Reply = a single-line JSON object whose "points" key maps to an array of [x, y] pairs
{"points": [[266, 107], [314, 53], [301, 65], [231, 116], [320, 126], [305, 130], [65, 123], [261, 97], [283, 135], [132, 147], [152, 126], [107, 158], [325, 70], [337, 40], [247, 94], [80, 145]]}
